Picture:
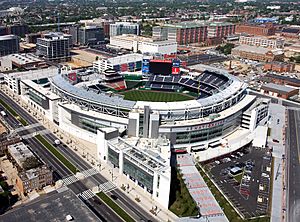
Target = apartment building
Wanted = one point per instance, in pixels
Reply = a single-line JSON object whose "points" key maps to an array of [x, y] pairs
{"points": [[262, 42]]}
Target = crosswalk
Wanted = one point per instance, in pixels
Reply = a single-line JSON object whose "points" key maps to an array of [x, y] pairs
{"points": [[69, 180], [87, 194], [106, 187], [89, 172]]}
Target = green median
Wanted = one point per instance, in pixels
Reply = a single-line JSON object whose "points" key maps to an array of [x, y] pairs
{"points": [[115, 207], [13, 112], [56, 153]]}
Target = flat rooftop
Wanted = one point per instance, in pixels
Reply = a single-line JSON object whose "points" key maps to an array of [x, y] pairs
{"points": [[38, 88], [278, 88], [52, 207]]}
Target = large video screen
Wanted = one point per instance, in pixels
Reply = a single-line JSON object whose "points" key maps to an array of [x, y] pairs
{"points": [[160, 67]]}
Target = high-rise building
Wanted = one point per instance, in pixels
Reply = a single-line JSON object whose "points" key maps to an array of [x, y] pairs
{"points": [[9, 44], [54, 46], [90, 35], [120, 28]]}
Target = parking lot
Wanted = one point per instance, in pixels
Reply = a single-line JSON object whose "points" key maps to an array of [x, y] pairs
{"points": [[244, 177]]}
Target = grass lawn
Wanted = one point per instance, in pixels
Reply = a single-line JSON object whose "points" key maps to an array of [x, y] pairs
{"points": [[115, 207], [183, 205], [56, 153], [13, 112], [155, 96], [239, 177]]}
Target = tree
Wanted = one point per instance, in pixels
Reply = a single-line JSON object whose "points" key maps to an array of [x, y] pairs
{"points": [[30, 163]]}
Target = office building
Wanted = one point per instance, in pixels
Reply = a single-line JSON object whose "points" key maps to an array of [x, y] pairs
{"points": [[128, 62], [9, 44], [54, 46], [262, 42], [90, 35], [120, 28], [220, 29], [183, 33], [267, 29], [143, 45]]}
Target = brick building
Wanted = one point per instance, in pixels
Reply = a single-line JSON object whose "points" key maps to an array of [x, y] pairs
{"points": [[279, 91], [254, 29], [257, 53], [183, 33], [279, 67], [34, 179], [282, 80], [194, 32], [291, 32]]}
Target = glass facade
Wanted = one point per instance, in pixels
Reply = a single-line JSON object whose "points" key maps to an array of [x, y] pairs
{"points": [[209, 131], [89, 125], [113, 157], [138, 174], [44, 103]]}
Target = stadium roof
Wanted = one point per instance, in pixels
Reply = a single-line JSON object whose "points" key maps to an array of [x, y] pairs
{"points": [[80, 93]]}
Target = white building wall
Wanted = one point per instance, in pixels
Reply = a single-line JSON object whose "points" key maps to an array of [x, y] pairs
{"points": [[167, 47], [65, 124]]}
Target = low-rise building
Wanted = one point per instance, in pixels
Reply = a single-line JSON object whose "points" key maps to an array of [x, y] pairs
{"points": [[279, 67], [147, 168], [9, 44], [254, 29], [291, 32], [281, 80], [128, 62], [279, 91], [34, 179], [26, 61], [19, 153], [257, 53], [262, 42], [143, 45]]}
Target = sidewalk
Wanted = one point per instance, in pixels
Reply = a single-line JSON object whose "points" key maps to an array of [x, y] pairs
{"points": [[277, 132], [87, 151]]}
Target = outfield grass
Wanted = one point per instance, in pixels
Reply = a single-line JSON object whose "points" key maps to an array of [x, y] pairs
{"points": [[115, 207], [155, 96], [56, 153], [13, 112]]}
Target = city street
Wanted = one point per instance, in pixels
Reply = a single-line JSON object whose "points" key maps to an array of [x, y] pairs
{"points": [[293, 161], [125, 202]]}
